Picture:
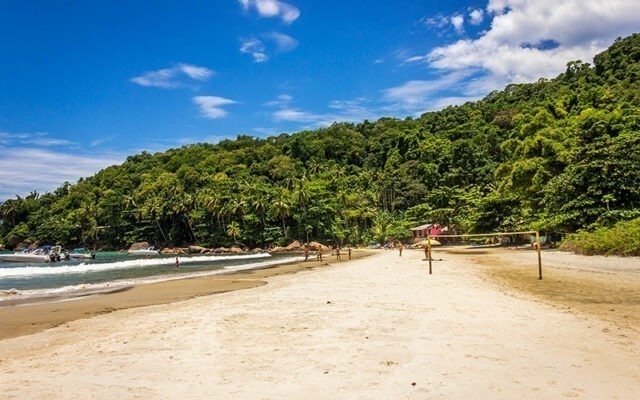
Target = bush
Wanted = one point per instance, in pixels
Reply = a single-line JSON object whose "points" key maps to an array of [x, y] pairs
{"points": [[622, 239]]}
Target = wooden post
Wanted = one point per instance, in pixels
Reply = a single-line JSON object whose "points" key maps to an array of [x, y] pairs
{"points": [[539, 256], [429, 251]]}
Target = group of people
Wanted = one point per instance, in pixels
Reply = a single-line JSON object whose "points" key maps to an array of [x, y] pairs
{"points": [[319, 252]]}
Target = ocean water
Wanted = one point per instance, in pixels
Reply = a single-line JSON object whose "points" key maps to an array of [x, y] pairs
{"points": [[111, 270]]}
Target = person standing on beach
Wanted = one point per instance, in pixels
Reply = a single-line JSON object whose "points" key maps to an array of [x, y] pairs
{"points": [[177, 263], [306, 252], [338, 253], [320, 254], [400, 248], [349, 251]]}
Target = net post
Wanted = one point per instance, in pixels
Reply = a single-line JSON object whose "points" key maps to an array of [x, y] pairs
{"points": [[429, 251], [539, 256]]}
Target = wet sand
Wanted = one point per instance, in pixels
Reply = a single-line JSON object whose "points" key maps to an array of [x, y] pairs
{"points": [[23, 319], [377, 327]]}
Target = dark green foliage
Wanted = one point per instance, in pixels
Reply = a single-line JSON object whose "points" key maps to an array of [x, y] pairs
{"points": [[622, 239], [560, 154]]}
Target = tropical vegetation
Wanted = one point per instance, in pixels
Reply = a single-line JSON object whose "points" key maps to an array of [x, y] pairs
{"points": [[558, 154]]}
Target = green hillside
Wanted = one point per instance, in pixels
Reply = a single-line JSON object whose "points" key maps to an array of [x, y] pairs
{"points": [[558, 155]]}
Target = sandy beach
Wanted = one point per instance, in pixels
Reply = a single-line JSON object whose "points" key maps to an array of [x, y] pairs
{"points": [[482, 326]]}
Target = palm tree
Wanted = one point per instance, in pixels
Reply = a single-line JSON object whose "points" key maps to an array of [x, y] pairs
{"points": [[233, 230], [184, 203], [260, 203], [281, 207]]}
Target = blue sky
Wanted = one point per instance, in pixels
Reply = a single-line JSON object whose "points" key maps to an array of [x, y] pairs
{"points": [[83, 84]]}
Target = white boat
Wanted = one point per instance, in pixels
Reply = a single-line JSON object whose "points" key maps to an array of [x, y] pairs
{"points": [[82, 254], [42, 254], [149, 251]]}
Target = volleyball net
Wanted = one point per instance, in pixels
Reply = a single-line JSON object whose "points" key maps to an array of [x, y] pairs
{"points": [[536, 243]]}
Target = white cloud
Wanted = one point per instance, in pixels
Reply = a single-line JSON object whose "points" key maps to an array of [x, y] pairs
{"points": [[476, 16], [418, 96], [211, 106], [254, 47], [296, 115], [439, 21], [273, 8], [173, 77], [103, 140], [40, 139], [342, 110], [458, 23], [284, 43], [257, 48], [513, 51], [25, 169], [281, 101]]}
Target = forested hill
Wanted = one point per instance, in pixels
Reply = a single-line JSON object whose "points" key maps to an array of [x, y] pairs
{"points": [[560, 154]]}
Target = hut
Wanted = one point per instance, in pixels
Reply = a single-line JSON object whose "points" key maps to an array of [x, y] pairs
{"points": [[421, 232]]}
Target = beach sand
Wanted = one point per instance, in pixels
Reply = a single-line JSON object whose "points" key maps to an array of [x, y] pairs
{"points": [[482, 326]]}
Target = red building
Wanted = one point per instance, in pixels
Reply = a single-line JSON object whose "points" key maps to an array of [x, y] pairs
{"points": [[420, 232]]}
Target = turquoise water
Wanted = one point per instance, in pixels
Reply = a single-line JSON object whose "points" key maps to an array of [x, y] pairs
{"points": [[111, 269]]}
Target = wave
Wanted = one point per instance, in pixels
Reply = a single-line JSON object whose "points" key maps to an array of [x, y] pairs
{"points": [[68, 292], [83, 268]]}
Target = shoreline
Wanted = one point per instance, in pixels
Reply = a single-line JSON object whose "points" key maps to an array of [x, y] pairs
{"points": [[378, 327], [28, 316]]}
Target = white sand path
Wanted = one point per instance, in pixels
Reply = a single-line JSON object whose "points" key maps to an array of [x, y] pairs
{"points": [[376, 328]]}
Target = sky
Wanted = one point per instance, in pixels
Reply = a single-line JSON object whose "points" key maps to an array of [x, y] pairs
{"points": [[84, 84]]}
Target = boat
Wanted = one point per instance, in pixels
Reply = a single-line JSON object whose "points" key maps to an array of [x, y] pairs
{"points": [[147, 251], [82, 254], [42, 254]]}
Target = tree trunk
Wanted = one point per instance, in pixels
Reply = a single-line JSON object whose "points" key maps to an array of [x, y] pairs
{"points": [[284, 228], [161, 231]]}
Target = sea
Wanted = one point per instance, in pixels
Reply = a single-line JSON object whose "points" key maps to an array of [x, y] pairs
{"points": [[111, 271]]}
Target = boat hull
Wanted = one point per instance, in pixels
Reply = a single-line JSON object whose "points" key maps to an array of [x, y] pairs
{"points": [[22, 258], [143, 252], [81, 256]]}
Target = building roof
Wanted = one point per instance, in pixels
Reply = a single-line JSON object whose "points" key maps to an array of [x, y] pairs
{"points": [[422, 227]]}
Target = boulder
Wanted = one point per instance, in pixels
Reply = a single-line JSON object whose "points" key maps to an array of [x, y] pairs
{"points": [[176, 250], [315, 246], [221, 250], [197, 250], [294, 246], [139, 246], [236, 250], [257, 250], [277, 249]]}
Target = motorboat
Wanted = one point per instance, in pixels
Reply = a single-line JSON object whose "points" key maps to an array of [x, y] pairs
{"points": [[82, 254], [42, 254], [147, 251]]}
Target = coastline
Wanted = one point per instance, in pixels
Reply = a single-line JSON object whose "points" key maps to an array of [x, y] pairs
{"points": [[30, 316], [378, 327]]}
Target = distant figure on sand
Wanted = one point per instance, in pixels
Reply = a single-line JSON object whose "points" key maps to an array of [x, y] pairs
{"points": [[338, 253], [400, 248], [177, 263], [319, 254], [306, 252], [349, 251]]}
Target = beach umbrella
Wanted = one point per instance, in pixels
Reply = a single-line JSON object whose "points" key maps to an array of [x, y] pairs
{"points": [[433, 242]]}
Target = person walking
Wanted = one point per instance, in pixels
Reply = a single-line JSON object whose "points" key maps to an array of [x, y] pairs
{"points": [[319, 256], [349, 251], [400, 248], [338, 253], [306, 252]]}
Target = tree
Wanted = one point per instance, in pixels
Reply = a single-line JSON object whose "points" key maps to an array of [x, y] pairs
{"points": [[281, 207], [233, 231]]}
